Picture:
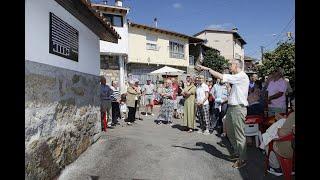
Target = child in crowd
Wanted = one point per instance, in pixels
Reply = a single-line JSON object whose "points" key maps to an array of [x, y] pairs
{"points": [[123, 107]]}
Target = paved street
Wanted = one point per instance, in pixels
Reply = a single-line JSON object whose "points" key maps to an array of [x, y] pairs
{"points": [[146, 150]]}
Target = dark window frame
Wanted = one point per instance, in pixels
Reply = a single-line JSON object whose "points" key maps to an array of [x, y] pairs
{"points": [[111, 18], [175, 53]]}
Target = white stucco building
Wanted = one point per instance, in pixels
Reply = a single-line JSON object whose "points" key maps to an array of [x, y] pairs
{"points": [[62, 82], [114, 56]]}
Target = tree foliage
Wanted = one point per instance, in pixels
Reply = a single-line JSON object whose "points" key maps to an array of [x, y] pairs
{"points": [[214, 60], [283, 56]]}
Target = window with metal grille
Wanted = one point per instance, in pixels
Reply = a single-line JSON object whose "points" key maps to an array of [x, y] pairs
{"points": [[176, 50]]}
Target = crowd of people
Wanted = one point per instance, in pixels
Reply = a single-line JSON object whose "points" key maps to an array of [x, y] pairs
{"points": [[220, 104]]}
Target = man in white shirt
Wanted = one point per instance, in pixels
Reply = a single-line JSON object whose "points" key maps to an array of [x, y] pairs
{"points": [[202, 95], [148, 90], [237, 111]]}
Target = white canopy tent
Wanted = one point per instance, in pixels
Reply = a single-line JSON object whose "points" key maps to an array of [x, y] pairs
{"points": [[166, 70]]}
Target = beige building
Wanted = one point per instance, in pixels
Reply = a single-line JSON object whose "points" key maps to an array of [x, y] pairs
{"points": [[229, 43], [151, 48]]}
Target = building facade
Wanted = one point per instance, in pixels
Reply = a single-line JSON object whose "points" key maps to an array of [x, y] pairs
{"points": [[113, 57], [62, 90], [151, 48], [229, 43], [250, 65]]}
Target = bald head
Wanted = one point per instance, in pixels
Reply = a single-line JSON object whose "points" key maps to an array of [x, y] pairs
{"points": [[236, 65]]}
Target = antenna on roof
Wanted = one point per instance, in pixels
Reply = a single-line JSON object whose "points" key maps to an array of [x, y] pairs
{"points": [[155, 20]]}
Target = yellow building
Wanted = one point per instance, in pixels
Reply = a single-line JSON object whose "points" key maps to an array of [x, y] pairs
{"points": [[229, 43], [151, 48]]}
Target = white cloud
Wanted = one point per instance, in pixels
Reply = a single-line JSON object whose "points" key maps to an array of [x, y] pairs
{"points": [[271, 35], [220, 26], [177, 5]]}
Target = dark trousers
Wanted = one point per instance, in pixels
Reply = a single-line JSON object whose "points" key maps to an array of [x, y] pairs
{"points": [[115, 112], [131, 114], [220, 114]]}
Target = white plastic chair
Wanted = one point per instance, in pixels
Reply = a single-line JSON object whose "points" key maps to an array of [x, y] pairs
{"points": [[253, 130]]}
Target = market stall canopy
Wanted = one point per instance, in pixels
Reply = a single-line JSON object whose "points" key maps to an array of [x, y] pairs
{"points": [[166, 70]]}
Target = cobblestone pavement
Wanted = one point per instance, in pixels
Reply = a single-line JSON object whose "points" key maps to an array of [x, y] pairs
{"points": [[146, 150]]}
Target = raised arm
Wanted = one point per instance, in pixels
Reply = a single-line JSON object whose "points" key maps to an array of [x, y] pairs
{"points": [[214, 73]]}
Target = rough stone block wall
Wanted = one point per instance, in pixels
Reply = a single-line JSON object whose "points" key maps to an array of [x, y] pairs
{"points": [[110, 75], [62, 117]]}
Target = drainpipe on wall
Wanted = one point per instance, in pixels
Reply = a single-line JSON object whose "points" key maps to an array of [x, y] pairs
{"points": [[121, 74]]}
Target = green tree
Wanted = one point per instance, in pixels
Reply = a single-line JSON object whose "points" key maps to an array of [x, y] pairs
{"points": [[283, 56], [214, 60]]}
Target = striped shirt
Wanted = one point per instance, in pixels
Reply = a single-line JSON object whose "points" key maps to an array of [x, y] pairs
{"points": [[115, 96]]}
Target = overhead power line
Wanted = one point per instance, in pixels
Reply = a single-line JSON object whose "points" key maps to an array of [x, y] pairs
{"points": [[287, 26]]}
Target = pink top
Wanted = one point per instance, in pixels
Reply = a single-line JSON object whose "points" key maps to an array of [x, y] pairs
{"points": [[275, 87], [175, 88]]}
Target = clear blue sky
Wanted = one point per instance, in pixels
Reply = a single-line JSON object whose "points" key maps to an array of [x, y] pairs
{"points": [[259, 22]]}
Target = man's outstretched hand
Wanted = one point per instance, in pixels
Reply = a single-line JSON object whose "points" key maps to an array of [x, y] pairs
{"points": [[202, 67]]}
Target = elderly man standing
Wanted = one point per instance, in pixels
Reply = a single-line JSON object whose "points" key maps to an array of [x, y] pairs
{"points": [[253, 80], [115, 103], [237, 111], [277, 93], [105, 107], [202, 95], [148, 90]]}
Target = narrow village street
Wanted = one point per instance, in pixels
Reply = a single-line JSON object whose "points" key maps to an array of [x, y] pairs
{"points": [[146, 150]]}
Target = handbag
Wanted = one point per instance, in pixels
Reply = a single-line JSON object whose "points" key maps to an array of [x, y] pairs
{"points": [[181, 102]]}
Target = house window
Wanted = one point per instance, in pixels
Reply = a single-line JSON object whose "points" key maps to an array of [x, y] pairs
{"points": [[152, 42], [176, 50], [237, 56], [191, 60], [115, 20], [151, 46], [109, 62]]}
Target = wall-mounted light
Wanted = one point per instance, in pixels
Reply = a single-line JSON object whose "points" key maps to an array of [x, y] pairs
{"points": [[148, 60]]}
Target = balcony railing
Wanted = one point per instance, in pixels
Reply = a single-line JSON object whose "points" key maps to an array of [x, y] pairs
{"points": [[176, 55]]}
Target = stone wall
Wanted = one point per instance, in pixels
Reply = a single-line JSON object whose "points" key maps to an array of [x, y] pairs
{"points": [[62, 117], [110, 75]]}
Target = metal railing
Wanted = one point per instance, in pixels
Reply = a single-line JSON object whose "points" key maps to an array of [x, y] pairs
{"points": [[176, 55]]}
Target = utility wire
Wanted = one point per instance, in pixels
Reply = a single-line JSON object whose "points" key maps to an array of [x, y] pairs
{"points": [[277, 38]]}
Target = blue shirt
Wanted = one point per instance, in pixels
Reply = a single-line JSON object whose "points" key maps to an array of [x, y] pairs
{"points": [[105, 92], [251, 85], [220, 92]]}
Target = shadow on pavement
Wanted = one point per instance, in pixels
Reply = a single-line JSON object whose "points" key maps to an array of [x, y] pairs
{"points": [[255, 165], [209, 149], [178, 126]]}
